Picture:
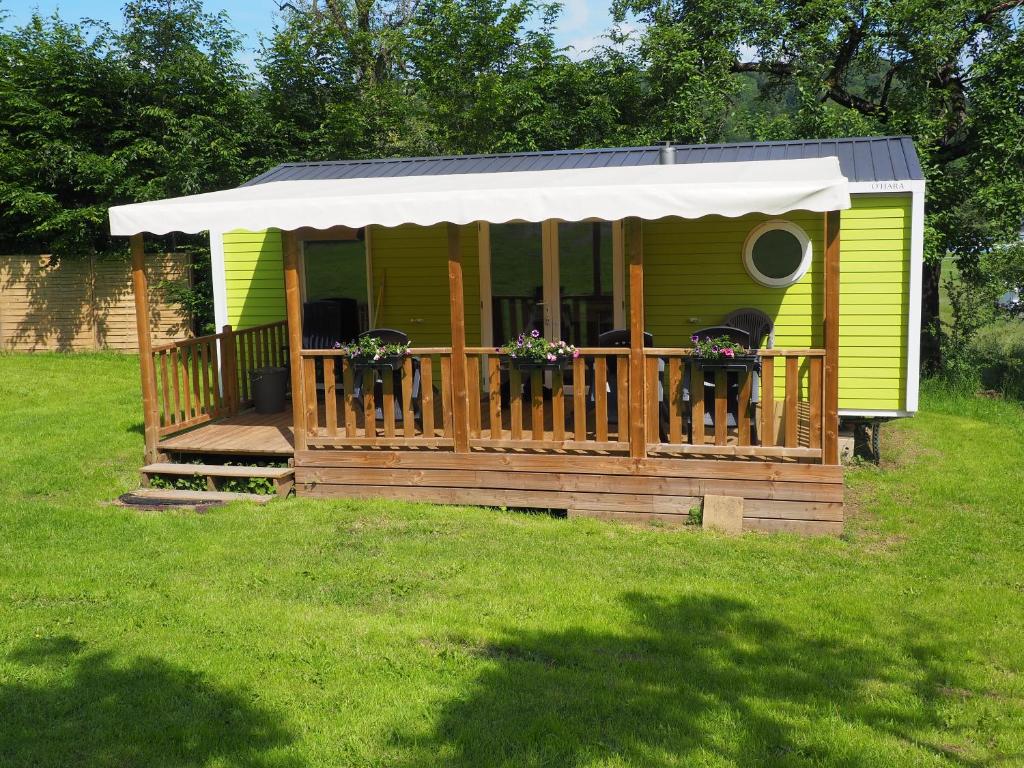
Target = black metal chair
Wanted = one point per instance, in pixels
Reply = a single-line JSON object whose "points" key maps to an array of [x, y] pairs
{"points": [[620, 337], [762, 331], [756, 323], [348, 312], [390, 336], [321, 324]]}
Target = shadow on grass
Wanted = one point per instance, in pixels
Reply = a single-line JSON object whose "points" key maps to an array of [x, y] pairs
{"points": [[707, 680], [98, 711]]}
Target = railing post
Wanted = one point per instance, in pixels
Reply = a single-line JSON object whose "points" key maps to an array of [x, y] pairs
{"points": [[830, 409], [633, 235], [293, 306], [140, 286], [460, 401], [229, 369]]}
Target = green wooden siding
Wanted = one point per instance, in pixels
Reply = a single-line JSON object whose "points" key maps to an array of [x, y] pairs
{"points": [[410, 282], [694, 275], [874, 300], [253, 276]]}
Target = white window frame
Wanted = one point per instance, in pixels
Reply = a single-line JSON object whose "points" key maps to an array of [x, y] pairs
{"points": [[770, 226]]}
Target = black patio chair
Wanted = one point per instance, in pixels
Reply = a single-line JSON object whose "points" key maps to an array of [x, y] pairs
{"points": [[348, 311], [321, 324], [620, 337], [757, 324], [762, 332]]}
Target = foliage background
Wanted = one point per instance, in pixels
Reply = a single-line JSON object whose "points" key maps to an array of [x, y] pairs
{"points": [[92, 115]]}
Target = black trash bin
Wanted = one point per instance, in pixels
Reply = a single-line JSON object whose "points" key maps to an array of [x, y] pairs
{"points": [[268, 387]]}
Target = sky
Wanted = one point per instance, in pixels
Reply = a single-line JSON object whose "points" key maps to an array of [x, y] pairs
{"points": [[581, 25]]}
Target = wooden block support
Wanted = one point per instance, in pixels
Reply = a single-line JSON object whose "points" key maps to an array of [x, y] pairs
{"points": [[723, 514]]}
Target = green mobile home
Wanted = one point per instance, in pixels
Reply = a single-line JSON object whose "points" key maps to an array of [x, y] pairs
{"points": [[678, 269]]}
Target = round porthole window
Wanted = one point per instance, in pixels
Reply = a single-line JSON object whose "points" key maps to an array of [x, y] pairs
{"points": [[777, 253]]}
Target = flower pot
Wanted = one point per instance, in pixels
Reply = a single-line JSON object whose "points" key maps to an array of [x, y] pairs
{"points": [[384, 363], [540, 365], [737, 363]]}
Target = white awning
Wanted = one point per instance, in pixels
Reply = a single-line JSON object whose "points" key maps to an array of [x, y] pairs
{"points": [[771, 187]]}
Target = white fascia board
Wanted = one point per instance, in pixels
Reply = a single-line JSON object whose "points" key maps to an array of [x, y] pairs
{"points": [[916, 189], [914, 319], [886, 187], [874, 414]]}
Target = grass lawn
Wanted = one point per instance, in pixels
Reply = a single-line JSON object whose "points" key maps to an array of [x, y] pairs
{"points": [[370, 634]]}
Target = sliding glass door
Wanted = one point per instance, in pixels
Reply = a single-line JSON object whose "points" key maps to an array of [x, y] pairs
{"points": [[562, 279]]}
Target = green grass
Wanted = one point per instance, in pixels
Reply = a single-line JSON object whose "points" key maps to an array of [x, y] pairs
{"points": [[371, 634]]}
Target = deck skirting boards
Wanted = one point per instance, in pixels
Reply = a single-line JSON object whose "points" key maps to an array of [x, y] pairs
{"points": [[777, 496]]}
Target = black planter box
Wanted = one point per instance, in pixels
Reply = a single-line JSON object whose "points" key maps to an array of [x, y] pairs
{"points": [[738, 363], [535, 365], [386, 363]]}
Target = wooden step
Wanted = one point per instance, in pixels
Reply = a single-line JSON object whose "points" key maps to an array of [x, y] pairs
{"points": [[282, 477], [217, 470], [177, 496]]}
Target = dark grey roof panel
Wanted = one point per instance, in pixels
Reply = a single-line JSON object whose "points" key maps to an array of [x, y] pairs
{"points": [[885, 158]]}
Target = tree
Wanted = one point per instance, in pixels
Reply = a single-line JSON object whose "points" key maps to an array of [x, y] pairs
{"points": [[337, 79], [60, 107], [490, 81], [947, 73]]}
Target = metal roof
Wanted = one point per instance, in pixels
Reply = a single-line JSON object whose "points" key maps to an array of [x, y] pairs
{"points": [[886, 158]]}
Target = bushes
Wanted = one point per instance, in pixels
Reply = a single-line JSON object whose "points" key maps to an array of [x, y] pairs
{"points": [[999, 350], [982, 345]]}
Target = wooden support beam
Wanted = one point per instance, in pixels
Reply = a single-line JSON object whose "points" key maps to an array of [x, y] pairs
{"points": [[633, 235], [460, 402], [229, 369], [293, 310], [140, 286], [830, 442]]}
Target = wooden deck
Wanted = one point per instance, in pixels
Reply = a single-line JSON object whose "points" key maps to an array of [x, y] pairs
{"points": [[778, 495], [248, 433]]}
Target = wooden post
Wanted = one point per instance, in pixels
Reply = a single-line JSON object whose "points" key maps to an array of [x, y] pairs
{"points": [[140, 286], [229, 369], [293, 308], [633, 235], [830, 443], [460, 401]]}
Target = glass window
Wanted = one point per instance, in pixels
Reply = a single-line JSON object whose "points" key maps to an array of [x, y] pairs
{"points": [[336, 269], [585, 264], [517, 280], [777, 253]]}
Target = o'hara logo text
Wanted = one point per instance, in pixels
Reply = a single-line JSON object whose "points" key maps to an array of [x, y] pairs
{"points": [[888, 186]]}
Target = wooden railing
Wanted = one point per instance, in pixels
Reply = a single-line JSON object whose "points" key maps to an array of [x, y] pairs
{"points": [[256, 347], [350, 406], [549, 410], [205, 378], [585, 407], [776, 413]]}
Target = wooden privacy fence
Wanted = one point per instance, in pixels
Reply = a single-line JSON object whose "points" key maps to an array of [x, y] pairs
{"points": [[585, 407], [201, 379], [79, 304]]}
